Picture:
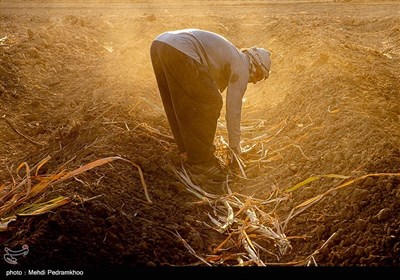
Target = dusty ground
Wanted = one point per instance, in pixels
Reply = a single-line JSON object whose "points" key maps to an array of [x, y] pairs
{"points": [[76, 80]]}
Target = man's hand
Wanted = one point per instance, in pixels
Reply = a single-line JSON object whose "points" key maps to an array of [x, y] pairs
{"points": [[183, 156], [236, 150], [233, 156]]}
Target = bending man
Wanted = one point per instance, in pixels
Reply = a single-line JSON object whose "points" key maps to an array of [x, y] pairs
{"points": [[192, 68]]}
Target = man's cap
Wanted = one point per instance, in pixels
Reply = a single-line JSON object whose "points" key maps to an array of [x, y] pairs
{"points": [[261, 58]]}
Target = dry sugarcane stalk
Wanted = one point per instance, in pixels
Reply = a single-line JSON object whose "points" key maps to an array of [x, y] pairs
{"points": [[191, 250], [248, 246], [20, 134]]}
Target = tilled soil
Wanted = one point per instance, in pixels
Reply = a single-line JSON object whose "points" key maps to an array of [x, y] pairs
{"points": [[76, 80]]}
